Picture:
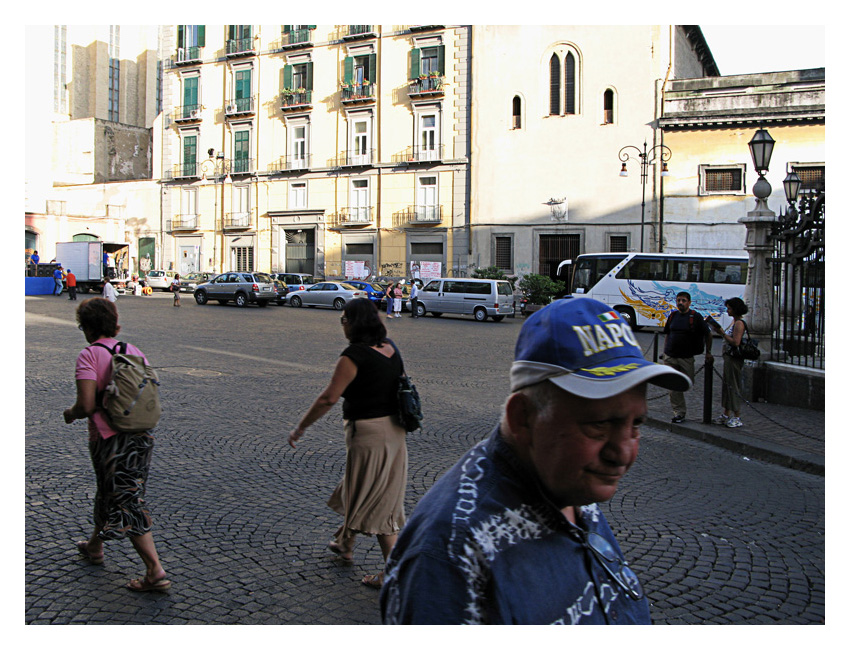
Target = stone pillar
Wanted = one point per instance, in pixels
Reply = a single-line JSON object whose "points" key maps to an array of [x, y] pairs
{"points": [[757, 293]]}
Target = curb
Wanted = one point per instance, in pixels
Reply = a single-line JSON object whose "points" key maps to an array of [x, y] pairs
{"points": [[750, 447]]}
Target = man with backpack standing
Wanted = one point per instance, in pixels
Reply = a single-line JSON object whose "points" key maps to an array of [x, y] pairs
{"points": [[686, 335]]}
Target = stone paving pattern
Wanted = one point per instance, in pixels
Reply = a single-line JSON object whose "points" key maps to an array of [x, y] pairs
{"points": [[240, 519]]}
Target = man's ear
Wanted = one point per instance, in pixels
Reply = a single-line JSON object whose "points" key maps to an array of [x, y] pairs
{"points": [[519, 413]]}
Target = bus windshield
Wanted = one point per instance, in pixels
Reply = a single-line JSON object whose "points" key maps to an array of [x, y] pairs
{"points": [[590, 270]]}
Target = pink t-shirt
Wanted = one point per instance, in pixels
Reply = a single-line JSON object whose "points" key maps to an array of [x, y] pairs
{"points": [[96, 363]]}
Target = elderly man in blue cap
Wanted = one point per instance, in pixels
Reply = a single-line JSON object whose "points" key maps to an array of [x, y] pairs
{"points": [[512, 532]]}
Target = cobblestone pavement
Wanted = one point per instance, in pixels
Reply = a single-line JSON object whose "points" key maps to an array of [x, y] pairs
{"points": [[240, 519]]}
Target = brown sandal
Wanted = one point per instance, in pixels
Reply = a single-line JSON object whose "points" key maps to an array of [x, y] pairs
{"points": [[143, 584], [375, 581]]}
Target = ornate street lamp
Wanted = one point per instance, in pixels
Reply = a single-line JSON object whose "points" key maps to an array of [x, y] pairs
{"points": [[647, 157], [792, 185]]}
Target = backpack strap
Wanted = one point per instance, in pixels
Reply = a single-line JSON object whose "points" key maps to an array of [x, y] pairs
{"points": [[398, 352], [120, 347]]}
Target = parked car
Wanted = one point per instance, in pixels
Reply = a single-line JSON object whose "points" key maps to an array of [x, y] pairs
{"points": [[374, 291], [160, 279], [279, 286], [241, 288], [479, 297], [325, 294], [190, 281], [295, 281]]}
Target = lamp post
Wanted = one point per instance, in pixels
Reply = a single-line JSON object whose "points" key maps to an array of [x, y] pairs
{"points": [[757, 292], [218, 167], [647, 157]]}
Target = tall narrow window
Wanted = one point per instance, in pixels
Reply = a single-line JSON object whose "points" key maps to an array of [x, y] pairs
{"points": [[426, 199], [242, 152], [114, 72], [242, 90], [570, 84], [190, 154], [516, 113], [190, 95], [359, 200], [608, 107], [503, 249], [299, 147], [554, 85]]}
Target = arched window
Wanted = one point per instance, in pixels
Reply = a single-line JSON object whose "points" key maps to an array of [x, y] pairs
{"points": [[570, 84], [608, 107], [554, 85], [516, 113], [84, 237]]}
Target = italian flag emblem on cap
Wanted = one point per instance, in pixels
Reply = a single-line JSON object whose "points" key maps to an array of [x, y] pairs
{"points": [[608, 316]]}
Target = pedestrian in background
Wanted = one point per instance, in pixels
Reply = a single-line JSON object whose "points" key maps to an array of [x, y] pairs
{"points": [[398, 296], [388, 295], [371, 494], [34, 258], [71, 282], [414, 299], [175, 289], [121, 461], [731, 395], [686, 335], [513, 533], [57, 279], [109, 291]]}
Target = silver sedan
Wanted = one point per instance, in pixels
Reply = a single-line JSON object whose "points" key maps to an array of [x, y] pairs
{"points": [[325, 294]]}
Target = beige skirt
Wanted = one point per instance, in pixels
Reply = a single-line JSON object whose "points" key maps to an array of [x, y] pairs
{"points": [[371, 493]]}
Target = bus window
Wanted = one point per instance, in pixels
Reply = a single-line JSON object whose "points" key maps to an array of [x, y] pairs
{"points": [[644, 268], [590, 270], [725, 272], [684, 270]]}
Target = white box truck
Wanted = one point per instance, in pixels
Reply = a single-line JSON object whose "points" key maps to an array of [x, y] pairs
{"points": [[85, 259]]}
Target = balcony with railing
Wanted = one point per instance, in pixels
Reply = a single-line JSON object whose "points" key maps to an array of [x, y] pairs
{"points": [[296, 38], [296, 100], [182, 171], [188, 55], [240, 47], [358, 217], [419, 154], [240, 106], [239, 166], [355, 157], [237, 221], [355, 32], [182, 222], [291, 163], [355, 93], [187, 113], [427, 86], [419, 215]]}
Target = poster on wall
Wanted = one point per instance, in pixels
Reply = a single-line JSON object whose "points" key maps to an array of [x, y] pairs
{"points": [[356, 270], [426, 271]]}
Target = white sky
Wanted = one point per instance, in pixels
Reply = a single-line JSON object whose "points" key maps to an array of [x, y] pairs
{"points": [[742, 49]]}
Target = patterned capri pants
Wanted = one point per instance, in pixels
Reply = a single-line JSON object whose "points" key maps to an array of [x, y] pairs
{"points": [[121, 463]]}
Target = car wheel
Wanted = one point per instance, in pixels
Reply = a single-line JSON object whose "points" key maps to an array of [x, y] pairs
{"points": [[498, 319], [420, 309], [263, 303], [201, 297], [241, 300], [339, 303], [295, 301], [480, 315]]}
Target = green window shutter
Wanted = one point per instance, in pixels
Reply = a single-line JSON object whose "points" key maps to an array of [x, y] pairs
{"points": [[348, 69], [415, 57], [190, 91], [309, 82], [441, 59], [287, 77], [190, 148], [179, 35], [287, 29], [201, 35], [373, 66], [231, 32]]}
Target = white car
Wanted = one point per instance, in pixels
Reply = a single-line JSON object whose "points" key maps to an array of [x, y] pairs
{"points": [[160, 279], [325, 294]]}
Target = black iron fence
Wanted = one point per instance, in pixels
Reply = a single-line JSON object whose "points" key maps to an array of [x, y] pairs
{"points": [[799, 276]]}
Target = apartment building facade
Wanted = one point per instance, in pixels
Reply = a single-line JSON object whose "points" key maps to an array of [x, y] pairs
{"points": [[341, 151]]}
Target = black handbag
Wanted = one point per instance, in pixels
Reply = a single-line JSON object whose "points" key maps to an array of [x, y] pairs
{"points": [[748, 349], [409, 404]]}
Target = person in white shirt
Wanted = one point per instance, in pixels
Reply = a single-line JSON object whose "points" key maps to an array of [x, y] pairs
{"points": [[109, 291]]}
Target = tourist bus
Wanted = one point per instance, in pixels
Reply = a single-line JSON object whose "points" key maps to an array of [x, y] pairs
{"points": [[642, 287]]}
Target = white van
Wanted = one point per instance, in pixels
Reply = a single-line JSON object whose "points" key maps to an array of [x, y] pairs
{"points": [[481, 298]]}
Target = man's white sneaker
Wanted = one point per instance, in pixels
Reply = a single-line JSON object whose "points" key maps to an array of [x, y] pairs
{"points": [[734, 422], [721, 419]]}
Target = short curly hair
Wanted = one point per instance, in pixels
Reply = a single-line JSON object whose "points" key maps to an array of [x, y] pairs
{"points": [[99, 317], [738, 306]]}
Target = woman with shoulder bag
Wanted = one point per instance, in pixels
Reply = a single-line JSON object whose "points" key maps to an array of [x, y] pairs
{"points": [[121, 461], [371, 494], [732, 391]]}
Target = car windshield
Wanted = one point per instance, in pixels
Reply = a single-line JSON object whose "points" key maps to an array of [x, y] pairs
{"points": [[191, 276], [155, 274]]}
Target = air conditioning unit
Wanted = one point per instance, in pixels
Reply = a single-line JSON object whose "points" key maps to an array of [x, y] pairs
{"points": [[196, 114], [230, 109]]}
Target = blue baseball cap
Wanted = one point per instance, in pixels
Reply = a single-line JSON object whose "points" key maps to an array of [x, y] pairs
{"points": [[585, 347]]}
